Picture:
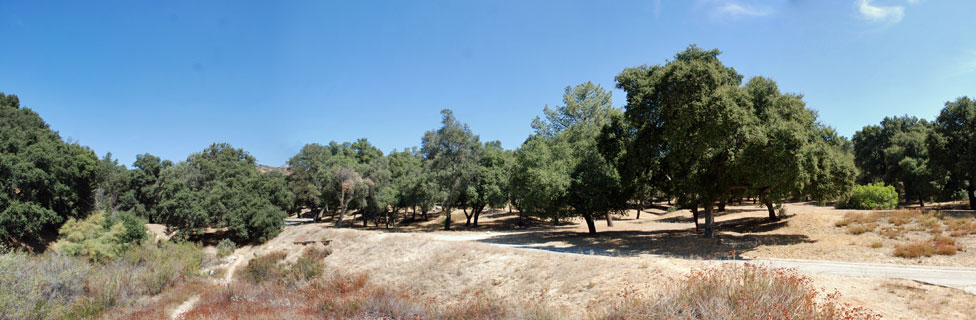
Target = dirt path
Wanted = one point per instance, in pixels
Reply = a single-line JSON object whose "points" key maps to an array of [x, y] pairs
{"points": [[184, 307], [952, 277], [240, 256]]}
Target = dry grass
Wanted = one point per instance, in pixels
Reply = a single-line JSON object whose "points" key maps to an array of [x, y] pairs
{"points": [[739, 292], [904, 225], [860, 228], [876, 245], [914, 250], [53, 286]]}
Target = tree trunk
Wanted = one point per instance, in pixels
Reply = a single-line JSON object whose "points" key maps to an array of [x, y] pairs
{"points": [[447, 218], [476, 214], [639, 208], [342, 213], [772, 211], [467, 216], [364, 219], [590, 224], [972, 197], [414, 216], [318, 217], [609, 219], [921, 202], [694, 215], [709, 220], [722, 202]]}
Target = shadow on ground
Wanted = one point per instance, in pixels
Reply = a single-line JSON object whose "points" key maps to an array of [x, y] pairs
{"points": [[685, 243]]}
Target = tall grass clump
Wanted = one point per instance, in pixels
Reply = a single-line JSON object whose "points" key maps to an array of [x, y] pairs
{"points": [[872, 196], [61, 286], [739, 292]]}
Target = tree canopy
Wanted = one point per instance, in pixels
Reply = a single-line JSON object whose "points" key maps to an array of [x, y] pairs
{"points": [[44, 180], [952, 146]]}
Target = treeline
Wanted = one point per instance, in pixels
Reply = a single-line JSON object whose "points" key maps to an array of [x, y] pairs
{"points": [[923, 160], [692, 131]]}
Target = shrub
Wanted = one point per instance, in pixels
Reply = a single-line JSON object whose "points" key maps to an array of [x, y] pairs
{"points": [[100, 237], [871, 196], [861, 228], [739, 292], [265, 267], [57, 286], [915, 250], [876, 245], [225, 247]]}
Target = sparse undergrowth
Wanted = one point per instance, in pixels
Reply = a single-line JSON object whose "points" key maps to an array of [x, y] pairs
{"points": [[909, 226], [728, 292], [58, 286]]}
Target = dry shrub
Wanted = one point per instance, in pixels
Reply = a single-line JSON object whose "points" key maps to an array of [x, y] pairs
{"points": [[945, 245], [331, 297], [860, 228], [55, 286], [265, 267], [902, 217], [739, 292], [876, 245], [862, 218], [915, 250]]}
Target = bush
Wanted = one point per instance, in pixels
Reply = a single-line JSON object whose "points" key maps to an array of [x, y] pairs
{"points": [[739, 292], [57, 286], [225, 248], [271, 268], [100, 237], [870, 197], [266, 267], [915, 250]]}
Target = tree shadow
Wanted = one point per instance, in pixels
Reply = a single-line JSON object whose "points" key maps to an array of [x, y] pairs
{"points": [[679, 243], [701, 215], [752, 224]]}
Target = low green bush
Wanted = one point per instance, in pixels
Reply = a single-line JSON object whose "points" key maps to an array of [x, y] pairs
{"points": [[101, 236], [872, 196], [225, 248]]}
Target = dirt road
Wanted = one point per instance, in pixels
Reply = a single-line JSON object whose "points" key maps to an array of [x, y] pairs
{"points": [[952, 277]]}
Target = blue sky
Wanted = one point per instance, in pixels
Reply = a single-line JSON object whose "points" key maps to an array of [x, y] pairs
{"points": [[171, 77]]}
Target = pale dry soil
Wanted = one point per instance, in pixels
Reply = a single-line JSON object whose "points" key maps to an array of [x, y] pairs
{"points": [[438, 266], [806, 232]]}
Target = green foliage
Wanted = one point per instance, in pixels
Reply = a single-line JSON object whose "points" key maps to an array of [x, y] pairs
{"points": [[895, 152], [693, 125], [221, 187], [101, 236], [952, 146], [43, 180], [452, 154], [560, 166], [225, 247], [871, 196]]}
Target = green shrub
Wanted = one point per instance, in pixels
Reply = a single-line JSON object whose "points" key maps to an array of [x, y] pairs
{"points": [[872, 196], [225, 248], [97, 237]]}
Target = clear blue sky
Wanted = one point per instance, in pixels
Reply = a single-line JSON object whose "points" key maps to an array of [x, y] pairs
{"points": [[170, 77]]}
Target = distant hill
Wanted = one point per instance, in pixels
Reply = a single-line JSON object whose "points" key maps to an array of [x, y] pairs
{"points": [[265, 169]]}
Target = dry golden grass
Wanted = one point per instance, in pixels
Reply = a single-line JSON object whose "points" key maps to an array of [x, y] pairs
{"points": [[912, 225]]}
